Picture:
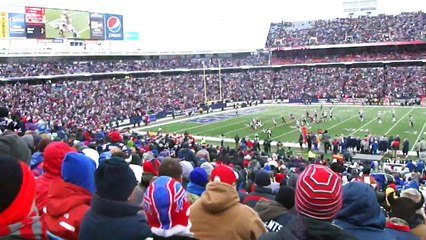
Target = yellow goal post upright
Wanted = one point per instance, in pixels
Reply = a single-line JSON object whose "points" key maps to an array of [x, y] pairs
{"points": [[206, 100]]}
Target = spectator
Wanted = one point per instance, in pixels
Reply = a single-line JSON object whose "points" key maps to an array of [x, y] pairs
{"points": [[261, 191], [136, 166], [53, 155], [37, 159], [167, 209], [361, 214], [170, 167], [110, 215], [213, 215], [276, 214], [18, 219], [13, 145], [69, 198], [405, 147], [402, 210], [150, 164], [208, 167], [417, 223], [197, 184], [318, 200], [186, 170]]}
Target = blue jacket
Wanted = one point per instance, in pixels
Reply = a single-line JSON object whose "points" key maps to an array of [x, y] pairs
{"points": [[195, 189], [400, 235], [113, 220], [36, 159], [360, 214]]}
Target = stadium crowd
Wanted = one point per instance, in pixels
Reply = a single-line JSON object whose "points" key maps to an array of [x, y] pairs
{"points": [[25, 69], [112, 185], [28, 69], [95, 104], [300, 57], [363, 29]]}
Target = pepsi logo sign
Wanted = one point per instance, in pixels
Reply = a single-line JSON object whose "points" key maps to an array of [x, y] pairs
{"points": [[114, 24]]}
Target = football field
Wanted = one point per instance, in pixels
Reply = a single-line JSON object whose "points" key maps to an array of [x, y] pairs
{"points": [[79, 21], [345, 121]]}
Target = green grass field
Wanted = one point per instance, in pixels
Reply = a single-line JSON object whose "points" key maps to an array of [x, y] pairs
{"points": [[80, 22], [346, 122]]}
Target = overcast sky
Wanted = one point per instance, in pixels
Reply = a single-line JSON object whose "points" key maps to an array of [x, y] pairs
{"points": [[182, 25]]}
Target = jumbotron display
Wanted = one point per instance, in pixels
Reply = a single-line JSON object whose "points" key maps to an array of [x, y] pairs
{"points": [[51, 23]]}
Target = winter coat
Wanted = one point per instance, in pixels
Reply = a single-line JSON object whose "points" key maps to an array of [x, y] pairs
{"points": [[29, 228], [305, 228], [405, 146], [53, 156], [108, 219], [399, 230], [273, 214], [195, 189], [36, 163], [218, 214], [259, 193], [361, 215], [66, 206]]}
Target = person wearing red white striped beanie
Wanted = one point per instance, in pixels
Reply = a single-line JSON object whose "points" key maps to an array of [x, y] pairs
{"points": [[318, 199], [319, 193]]}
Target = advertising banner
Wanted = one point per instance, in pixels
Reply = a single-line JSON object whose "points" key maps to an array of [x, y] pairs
{"points": [[16, 25], [97, 26], [35, 22], [134, 36], [4, 26], [114, 27]]}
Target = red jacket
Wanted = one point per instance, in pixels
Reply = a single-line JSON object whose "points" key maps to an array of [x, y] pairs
{"points": [[66, 206], [53, 156]]}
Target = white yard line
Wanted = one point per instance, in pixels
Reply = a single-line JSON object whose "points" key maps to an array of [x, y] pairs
{"points": [[399, 120], [363, 126], [418, 137], [222, 126], [183, 119]]}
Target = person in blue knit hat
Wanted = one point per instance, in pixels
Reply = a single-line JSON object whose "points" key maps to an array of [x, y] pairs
{"points": [[197, 184], [69, 197]]}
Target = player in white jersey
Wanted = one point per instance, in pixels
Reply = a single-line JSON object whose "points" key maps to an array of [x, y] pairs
{"points": [[393, 115], [379, 117], [274, 122], [65, 25], [410, 121], [269, 133]]}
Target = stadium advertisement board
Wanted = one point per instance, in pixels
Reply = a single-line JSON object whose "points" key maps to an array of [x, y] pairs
{"points": [[114, 27], [97, 26], [133, 36], [35, 22], [16, 25], [62, 23], [4, 28]]}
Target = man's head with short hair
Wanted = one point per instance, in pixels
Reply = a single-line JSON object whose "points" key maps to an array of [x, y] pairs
{"points": [[170, 167]]}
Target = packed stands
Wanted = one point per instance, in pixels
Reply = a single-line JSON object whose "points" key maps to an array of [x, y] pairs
{"points": [[403, 27], [95, 103]]}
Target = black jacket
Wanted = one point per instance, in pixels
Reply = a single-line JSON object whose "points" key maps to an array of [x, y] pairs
{"points": [[304, 228], [113, 220], [259, 193], [273, 214]]}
